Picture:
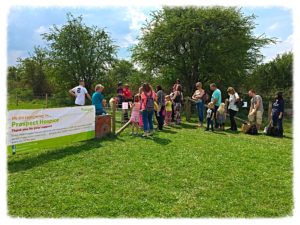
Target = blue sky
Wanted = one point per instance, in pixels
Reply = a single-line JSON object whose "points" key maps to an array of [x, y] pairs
{"points": [[25, 24]]}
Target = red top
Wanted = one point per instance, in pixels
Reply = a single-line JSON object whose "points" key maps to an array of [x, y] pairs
{"points": [[127, 93], [144, 98]]}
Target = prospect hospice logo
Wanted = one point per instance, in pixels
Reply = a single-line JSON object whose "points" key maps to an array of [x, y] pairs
{"points": [[33, 123]]}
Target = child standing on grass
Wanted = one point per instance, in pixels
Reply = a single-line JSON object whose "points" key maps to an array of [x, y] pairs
{"points": [[210, 116], [168, 117], [221, 116], [135, 114]]}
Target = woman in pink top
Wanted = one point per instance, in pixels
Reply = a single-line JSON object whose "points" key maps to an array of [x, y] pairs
{"points": [[148, 97]]}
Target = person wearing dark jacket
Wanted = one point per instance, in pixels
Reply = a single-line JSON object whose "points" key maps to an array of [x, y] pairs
{"points": [[160, 114], [277, 112]]}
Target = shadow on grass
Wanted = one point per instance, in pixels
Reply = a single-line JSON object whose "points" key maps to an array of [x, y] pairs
{"points": [[28, 163], [159, 140], [185, 126], [219, 132], [168, 131]]}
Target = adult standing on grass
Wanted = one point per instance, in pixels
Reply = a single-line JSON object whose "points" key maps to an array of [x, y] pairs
{"points": [[127, 98], [256, 109], [80, 92], [177, 99], [120, 94], [277, 113], [171, 95], [160, 115], [148, 97], [98, 100], [127, 93], [232, 107], [216, 99], [198, 97]]}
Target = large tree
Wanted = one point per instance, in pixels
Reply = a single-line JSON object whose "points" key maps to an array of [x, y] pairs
{"points": [[199, 43], [79, 51], [31, 72]]}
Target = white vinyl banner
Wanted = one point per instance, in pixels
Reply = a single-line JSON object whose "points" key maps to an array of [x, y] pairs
{"points": [[39, 124]]}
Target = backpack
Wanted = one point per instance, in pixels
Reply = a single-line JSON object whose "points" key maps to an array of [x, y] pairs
{"points": [[252, 130], [239, 103], [272, 131], [205, 97], [149, 102]]}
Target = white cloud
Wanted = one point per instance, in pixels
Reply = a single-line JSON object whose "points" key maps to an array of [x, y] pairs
{"points": [[281, 47], [128, 40], [273, 27], [13, 55], [136, 17], [41, 30]]}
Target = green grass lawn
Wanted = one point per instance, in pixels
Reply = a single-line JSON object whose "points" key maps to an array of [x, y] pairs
{"points": [[180, 172]]}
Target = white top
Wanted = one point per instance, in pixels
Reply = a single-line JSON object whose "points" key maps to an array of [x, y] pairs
{"points": [[199, 94], [232, 100], [80, 95]]}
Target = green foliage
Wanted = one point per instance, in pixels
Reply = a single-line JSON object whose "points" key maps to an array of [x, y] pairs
{"points": [[125, 72], [276, 75], [180, 172], [31, 74], [206, 43], [78, 51]]}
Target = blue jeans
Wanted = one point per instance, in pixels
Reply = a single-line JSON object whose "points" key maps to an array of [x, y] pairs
{"points": [[200, 109], [210, 123], [147, 120], [100, 111]]}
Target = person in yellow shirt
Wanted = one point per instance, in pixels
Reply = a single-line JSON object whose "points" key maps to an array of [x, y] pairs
{"points": [[168, 116]]}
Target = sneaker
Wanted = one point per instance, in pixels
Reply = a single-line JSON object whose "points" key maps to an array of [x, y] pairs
{"points": [[146, 134]]}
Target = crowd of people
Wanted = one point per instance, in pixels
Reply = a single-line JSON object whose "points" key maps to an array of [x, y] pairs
{"points": [[166, 108]]}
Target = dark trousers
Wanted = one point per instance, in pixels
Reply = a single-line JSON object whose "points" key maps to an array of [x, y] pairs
{"points": [[277, 122], [216, 123], [210, 122], [173, 113], [160, 118], [232, 120]]}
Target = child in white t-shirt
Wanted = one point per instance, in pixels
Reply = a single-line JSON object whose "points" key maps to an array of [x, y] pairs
{"points": [[79, 93], [210, 116]]}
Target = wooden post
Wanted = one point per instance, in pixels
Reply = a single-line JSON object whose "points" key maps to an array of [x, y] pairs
{"points": [[17, 99], [46, 100], [187, 109], [123, 127], [113, 118], [269, 111]]}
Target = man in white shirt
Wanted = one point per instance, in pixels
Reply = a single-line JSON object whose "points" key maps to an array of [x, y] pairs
{"points": [[79, 93]]}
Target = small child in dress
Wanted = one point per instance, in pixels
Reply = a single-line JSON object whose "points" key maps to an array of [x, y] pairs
{"points": [[168, 116], [221, 116], [210, 116], [135, 114]]}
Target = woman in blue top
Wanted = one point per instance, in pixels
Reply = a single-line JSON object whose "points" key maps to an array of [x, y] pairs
{"points": [[277, 112], [97, 100], [216, 99]]}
